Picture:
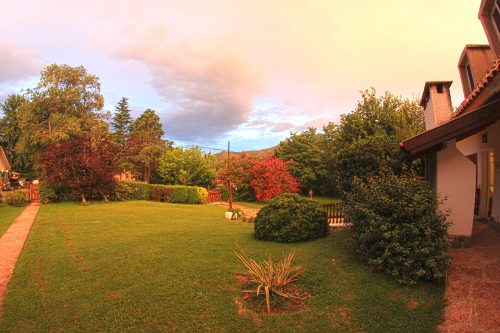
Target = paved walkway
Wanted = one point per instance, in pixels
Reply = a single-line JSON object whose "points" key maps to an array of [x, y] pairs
{"points": [[11, 244], [249, 212], [473, 285]]}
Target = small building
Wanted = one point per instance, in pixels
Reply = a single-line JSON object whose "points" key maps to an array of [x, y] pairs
{"points": [[4, 168], [460, 149]]}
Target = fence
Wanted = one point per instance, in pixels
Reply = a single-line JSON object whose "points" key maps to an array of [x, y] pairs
{"points": [[335, 214]]}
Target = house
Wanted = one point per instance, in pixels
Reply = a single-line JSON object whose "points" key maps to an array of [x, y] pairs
{"points": [[4, 168], [460, 150]]}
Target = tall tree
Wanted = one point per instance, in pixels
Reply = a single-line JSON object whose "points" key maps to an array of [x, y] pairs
{"points": [[367, 138], [64, 104], [122, 121], [187, 167], [306, 155], [9, 125], [146, 144]]}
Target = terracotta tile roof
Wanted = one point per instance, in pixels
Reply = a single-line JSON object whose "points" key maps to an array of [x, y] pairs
{"points": [[487, 78]]}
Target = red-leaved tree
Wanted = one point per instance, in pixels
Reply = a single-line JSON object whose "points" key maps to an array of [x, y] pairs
{"points": [[272, 177], [257, 178], [84, 163]]}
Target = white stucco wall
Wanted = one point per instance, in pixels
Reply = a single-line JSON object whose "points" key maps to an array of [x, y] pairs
{"points": [[456, 180], [494, 140]]}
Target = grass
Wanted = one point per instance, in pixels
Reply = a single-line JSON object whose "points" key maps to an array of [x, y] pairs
{"points": [[260, 204], [7, 215], [151, 267]]}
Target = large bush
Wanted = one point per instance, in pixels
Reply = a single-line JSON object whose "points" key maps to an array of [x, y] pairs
{"points": [[397, 226], [51, 194], [291, 218]]}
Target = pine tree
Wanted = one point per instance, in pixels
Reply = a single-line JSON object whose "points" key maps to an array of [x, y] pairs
{"points": [[122, 121]]}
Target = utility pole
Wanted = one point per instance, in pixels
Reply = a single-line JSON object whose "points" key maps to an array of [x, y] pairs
{"points": [[229, 190]]}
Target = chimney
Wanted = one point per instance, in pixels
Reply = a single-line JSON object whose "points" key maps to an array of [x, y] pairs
{"points": [[436, 101]]}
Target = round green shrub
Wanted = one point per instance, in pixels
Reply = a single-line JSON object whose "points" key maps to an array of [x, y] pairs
{"points": [[397, 227], [291, 218]]}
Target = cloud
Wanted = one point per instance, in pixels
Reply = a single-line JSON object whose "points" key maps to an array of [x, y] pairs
{"points": [[17, 63], [209, 89]]}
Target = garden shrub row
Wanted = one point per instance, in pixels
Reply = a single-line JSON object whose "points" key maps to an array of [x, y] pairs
{"points": [[125, 190], [16, 198], [179, 194]]}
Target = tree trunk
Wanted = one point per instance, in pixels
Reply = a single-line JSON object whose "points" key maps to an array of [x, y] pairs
{"points": [[147, 173], [84, 201], [105, 197]]}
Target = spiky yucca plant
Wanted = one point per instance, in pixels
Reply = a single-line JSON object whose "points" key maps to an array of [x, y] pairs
{"points": [[270, 277]]}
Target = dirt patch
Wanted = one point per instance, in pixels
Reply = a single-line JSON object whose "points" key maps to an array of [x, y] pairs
{"points": [[412, 304], [113, 296], [250, 302]]}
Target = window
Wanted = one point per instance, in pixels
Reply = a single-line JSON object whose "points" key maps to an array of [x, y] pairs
{"points": [[470, 78], [439, 88], [495, 15]]}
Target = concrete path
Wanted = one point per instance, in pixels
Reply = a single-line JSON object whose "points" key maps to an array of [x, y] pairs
{"points": [[473, 285], [11, 244]]}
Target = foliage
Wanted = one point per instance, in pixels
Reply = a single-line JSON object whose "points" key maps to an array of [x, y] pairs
{"points": [[305, 152], [179, 194], [291, 218], [397, 226], [237, 169], [189, 166], [16, 198], [146, 145], [125, 190], [257, 178], [122, 121], [270, 277], [86, 164], [366, 139], [366, 157], [162, 193], [63, 105], [47, 194], [271, 177], [9, 128]]}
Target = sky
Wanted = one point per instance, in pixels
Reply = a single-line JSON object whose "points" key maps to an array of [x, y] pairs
{"points": [[245, 71]]}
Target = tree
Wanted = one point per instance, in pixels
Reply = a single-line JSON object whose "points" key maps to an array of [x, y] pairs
{"points": [[306, 155], [272, 177], [187, 167], [63, 105], [86, 163], [257, 178], [146, 144], [237, 170], [366, 139], [9, 125], [122, 121]]}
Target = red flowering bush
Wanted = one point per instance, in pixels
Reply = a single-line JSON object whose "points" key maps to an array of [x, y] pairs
{"points": [[258, 178]]}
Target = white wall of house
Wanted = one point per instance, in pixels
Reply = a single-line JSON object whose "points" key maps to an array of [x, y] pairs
{"points": [[494, 140], [456, 181]]}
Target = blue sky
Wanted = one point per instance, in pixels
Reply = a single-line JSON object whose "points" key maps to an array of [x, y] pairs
{"points": [[247, 71]]}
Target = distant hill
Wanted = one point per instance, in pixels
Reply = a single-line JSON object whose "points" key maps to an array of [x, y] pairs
{"points": [[256, 153]]}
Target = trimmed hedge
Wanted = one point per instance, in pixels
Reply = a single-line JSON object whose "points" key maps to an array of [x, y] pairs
{"points": [[16, 198], [179, 194], [291, 218], [125, 190]]}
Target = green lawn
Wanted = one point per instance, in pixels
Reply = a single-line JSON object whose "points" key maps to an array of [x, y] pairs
{"points": [[7, 215], [157, 267], [260, 204]]}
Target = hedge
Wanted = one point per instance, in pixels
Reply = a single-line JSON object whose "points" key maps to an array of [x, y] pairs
{"points": [[16, 198]]}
